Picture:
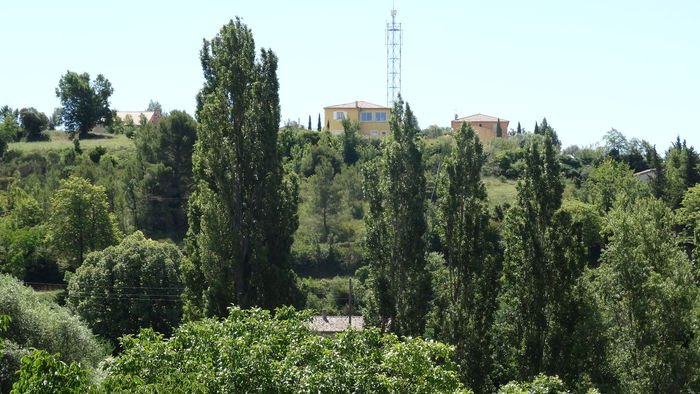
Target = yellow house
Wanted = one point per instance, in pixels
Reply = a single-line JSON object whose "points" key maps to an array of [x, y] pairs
{"points": [[373, 118]]}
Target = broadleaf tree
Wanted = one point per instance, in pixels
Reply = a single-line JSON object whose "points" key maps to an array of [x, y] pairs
{"points": [[80, 221], [242, 213], [85, 103]]}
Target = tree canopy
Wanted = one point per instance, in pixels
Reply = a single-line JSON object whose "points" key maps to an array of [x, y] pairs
{"points": [[242, 213], [85, 103], [80, 221], [128, 286]]}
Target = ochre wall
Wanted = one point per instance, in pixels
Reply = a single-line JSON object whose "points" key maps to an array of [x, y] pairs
{"points": [[485, 130], [353, 114]]}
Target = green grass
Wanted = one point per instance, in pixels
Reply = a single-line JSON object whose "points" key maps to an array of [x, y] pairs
{"points": [[58, 140], [500, 190]]}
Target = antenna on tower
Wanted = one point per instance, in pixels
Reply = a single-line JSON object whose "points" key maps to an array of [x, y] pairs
{"points": [[394, 42]]}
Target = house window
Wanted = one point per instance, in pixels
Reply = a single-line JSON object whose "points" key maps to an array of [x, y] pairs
{"points": [[480, 125], [365, 116], [339, 115], [380, 116], [383, 132], [373, 133]]}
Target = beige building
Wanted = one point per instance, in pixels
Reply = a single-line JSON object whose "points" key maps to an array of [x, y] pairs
{"points": [[485, 126], [136, 117], [373, 118]]}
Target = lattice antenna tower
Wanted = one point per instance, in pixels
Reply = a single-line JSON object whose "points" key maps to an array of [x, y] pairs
{"points": [[394, 42]]}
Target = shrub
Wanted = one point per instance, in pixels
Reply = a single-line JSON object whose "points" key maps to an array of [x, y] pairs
{"points": [[129, 286], [40, 324], [256, 351]]}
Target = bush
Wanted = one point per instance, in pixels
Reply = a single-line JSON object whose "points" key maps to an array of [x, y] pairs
{"points": [[44, 373], [43, 325], [256, 351], [96, 153], [129, 286]]}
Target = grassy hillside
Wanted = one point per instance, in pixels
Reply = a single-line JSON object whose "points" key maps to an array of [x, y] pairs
{"points": [[500, 190], [58, 140]]}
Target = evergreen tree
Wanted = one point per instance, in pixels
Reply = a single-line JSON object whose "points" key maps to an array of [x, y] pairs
{"points": [[519, 130], [537, 129], [658, 183], [682, 171], [318, 126], [164, 155], [396, 225], [350, 154], [473, 270], [499, 130], [324, 195], [242, 213]]}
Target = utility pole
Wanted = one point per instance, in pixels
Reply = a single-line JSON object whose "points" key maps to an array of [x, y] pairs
{"points": [[350, 311]]}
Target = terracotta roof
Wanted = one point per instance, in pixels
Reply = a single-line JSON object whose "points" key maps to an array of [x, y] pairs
{"points": [[358, 104], [480, 118], [332, 324], [135, 115]]}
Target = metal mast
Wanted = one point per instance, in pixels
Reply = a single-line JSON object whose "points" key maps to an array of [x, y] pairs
{"points": [[394, 41]]}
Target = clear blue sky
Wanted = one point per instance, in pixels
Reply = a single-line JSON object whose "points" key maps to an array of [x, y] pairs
{"points": [[585, 65]]}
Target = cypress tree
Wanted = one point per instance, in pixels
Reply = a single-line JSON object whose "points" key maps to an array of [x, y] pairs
{"points": [[310, 122], [537, 129], [396, 225], [520, 130], [318, 126], [242, 213], [350, 155], [499, 130]]}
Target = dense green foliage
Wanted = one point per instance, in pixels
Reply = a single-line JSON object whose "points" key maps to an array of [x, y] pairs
{"points": [[396, 225], [80, 221], [22, 238], [85, 103], [649, 298], [37, 323], [33, 122], [45, 373], [129, 286], [162, 176], [255, 351], [242, 214], [465, 304]]}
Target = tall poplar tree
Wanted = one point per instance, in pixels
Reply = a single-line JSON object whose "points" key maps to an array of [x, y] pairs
{"points": [[473, 270], [242, 213], [526, 267], [396, 225], [545, 319]]}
